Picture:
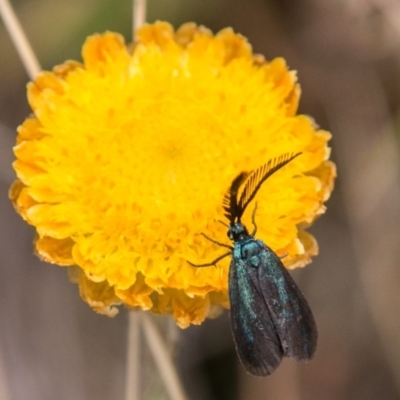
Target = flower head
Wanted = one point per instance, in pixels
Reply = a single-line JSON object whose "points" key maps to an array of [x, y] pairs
{"points": [[127, 156]]}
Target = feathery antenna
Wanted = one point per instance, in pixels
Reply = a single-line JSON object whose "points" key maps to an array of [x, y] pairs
{"points": [[230, 204], [235, 208]]}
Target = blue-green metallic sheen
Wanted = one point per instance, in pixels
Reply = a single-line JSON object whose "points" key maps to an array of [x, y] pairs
{"points": [[269, 315]]}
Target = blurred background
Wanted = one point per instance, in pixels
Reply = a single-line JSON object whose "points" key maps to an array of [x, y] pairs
{"points": [[347, 54]]}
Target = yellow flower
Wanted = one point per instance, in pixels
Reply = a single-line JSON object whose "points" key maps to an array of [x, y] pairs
{"points": [[127, 157]]}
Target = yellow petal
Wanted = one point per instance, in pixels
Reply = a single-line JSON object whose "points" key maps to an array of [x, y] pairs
{"points": [[55, 251]]}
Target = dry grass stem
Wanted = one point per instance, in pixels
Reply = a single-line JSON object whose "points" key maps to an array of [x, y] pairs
{"points": [[19, 39], [162, 359]]}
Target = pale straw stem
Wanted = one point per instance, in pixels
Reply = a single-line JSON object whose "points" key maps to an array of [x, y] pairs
{"points": [[132, 385], [162, 359], [139, 14], [132, 379], [19, 39]]}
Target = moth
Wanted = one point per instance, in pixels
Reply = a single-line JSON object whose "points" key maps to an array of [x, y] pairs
{"points": [[270, 318]]}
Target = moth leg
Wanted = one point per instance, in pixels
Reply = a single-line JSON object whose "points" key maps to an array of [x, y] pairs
{"points": [[253, 220], [218, 243], [223, 223], [211, 263], [283, 256]]}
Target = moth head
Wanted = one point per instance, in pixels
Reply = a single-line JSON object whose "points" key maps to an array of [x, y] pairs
{"points": [[237, 232]]}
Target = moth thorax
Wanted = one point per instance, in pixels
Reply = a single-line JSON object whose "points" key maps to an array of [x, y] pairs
{"points": [[237, 232]]}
